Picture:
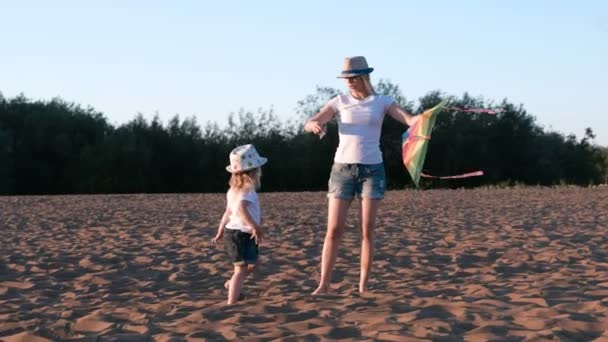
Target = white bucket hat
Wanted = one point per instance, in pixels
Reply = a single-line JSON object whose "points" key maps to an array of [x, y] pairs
{"points": [[245, 158]]}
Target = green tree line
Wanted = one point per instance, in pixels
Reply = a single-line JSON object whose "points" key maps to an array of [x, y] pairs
{"points": [[56, 147]]}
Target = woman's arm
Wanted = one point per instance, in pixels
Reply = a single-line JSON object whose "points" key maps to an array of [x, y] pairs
{"points": [[399, 114], [316, 124]]}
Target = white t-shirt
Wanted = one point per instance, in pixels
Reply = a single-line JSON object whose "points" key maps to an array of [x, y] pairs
{"points": [[359, 127], [252, 205]]}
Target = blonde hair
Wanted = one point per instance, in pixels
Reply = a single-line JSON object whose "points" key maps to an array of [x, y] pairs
{"points": [[246, 180], [368, 84]]}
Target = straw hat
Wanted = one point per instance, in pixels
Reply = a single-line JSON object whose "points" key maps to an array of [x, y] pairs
{"points": [[245, 158], [355, 66]]}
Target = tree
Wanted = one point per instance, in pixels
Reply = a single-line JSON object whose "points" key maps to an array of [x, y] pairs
{"points": [[52, 147]]}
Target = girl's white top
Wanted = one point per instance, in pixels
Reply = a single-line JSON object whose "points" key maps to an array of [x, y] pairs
{"points": [[359, 126], [252, 205]]}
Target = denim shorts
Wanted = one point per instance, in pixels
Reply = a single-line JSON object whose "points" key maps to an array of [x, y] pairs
{"points": [[363, 180], [240, 247]]}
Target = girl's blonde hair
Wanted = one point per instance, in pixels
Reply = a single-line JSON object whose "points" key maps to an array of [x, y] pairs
{"points": [[368, 84], [247, 180]]}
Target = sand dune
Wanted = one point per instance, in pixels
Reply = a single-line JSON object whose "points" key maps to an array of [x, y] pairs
{"points": [[527, 264]]}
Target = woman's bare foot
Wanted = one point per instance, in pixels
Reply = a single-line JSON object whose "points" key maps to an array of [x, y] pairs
{"points": [[321, 290]]}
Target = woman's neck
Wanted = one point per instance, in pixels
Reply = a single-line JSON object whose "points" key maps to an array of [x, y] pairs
{"points": [[360, 95]]}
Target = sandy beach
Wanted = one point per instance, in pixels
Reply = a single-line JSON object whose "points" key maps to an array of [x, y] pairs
{"points": [[522, 264]]}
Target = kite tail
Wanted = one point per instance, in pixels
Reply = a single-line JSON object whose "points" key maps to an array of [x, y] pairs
{"points": [[476, 110], [464, 175]]}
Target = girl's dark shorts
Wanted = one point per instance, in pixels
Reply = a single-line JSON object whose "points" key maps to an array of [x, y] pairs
{"points": [[240, 247]]}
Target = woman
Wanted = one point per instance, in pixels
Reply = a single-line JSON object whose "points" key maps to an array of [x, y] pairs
{"points": [[358, 168]]}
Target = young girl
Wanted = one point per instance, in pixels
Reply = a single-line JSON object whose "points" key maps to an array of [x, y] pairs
{"points": [[240, 224]]}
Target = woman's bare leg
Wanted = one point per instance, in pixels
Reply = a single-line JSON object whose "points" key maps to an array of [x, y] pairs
{"points": [[336, 218], [369, 209]]}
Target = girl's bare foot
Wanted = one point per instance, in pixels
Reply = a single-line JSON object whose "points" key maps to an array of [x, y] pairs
{"points": [[227, 287]]}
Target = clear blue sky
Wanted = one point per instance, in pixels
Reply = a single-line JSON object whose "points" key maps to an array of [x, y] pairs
{"points": [[207, 59]]}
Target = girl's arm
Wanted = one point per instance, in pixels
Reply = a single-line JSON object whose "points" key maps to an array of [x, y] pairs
{"points": [[223, 222], [399, 114], [317, 122], [248, 220]]}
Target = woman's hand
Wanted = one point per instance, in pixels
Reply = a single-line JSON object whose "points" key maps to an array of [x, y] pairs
{"points": [[314, 127], [414, 119], [316, 124]]}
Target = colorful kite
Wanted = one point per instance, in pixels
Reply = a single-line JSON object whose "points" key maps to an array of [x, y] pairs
{"points": [[415, 141]]}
